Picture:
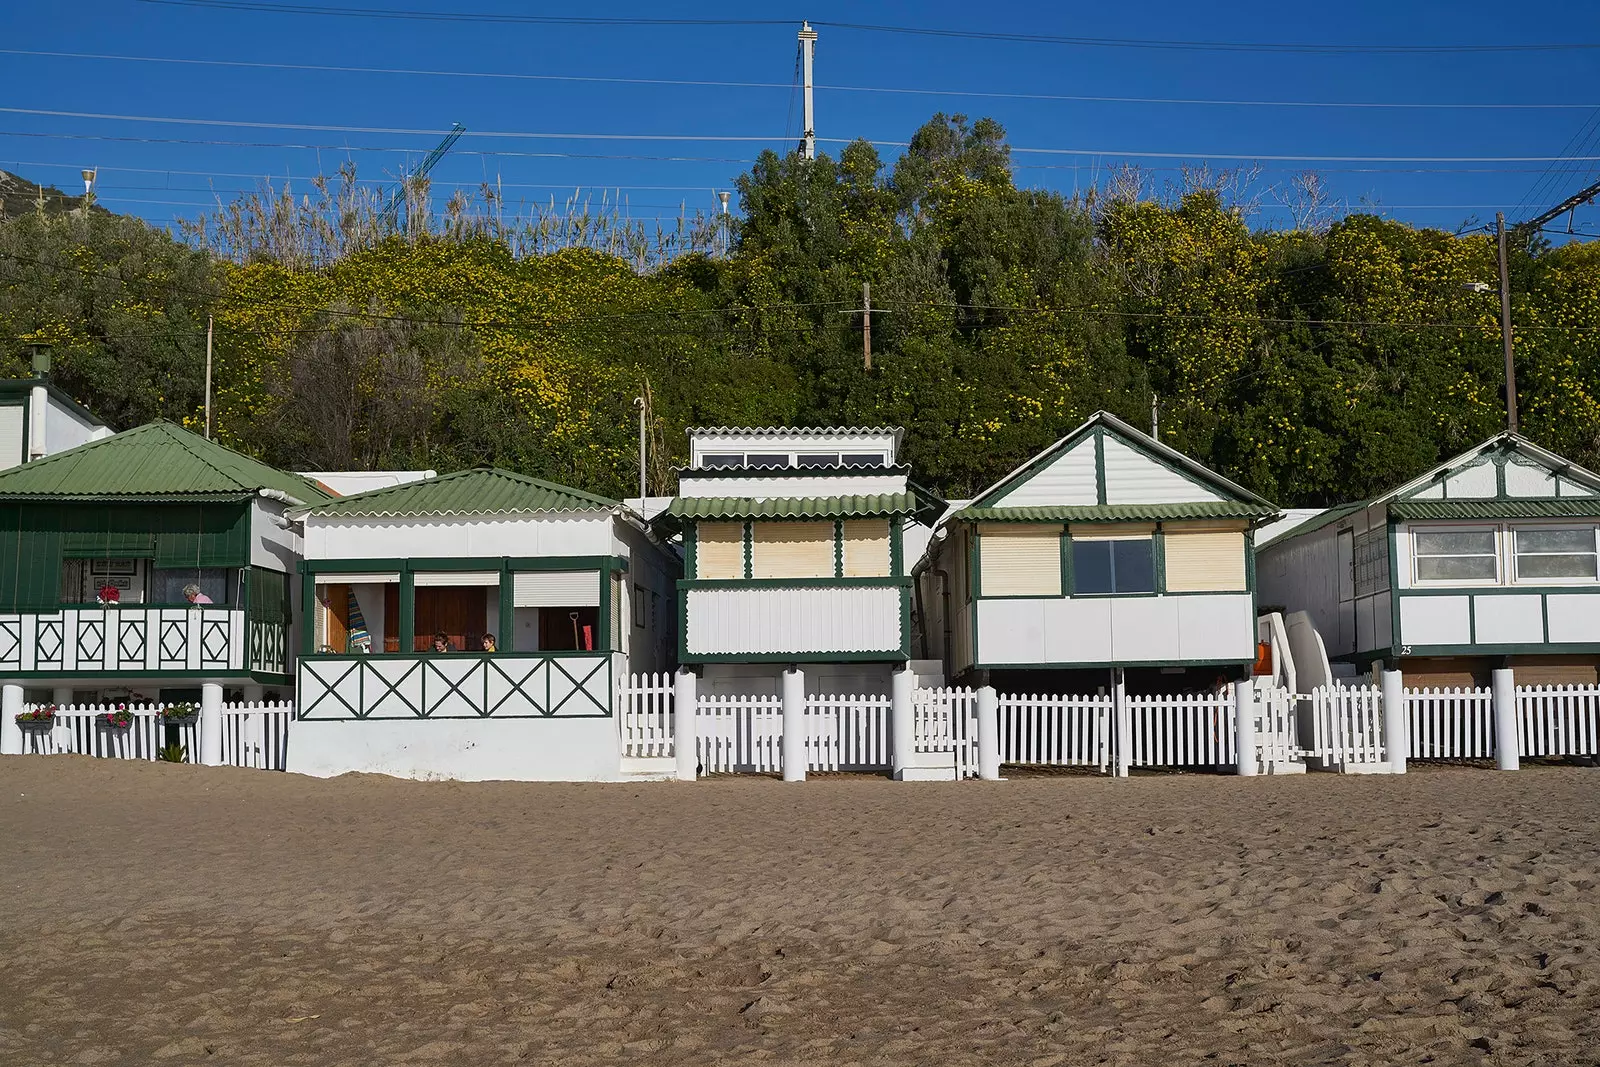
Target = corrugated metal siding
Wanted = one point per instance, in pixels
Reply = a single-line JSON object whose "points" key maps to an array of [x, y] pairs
{"points": [[1069, 479], [727, 507], [13, 436], [1134, 478], [555, 589], [718, 550], [1019, 560], [1205, 561], [791, 550], [866, 548], [793, 620]]}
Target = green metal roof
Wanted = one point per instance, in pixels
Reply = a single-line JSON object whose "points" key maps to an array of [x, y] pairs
{"points": [[1209, 509], [1543, 508], [159, 461], [810, 507], [476, 491]]}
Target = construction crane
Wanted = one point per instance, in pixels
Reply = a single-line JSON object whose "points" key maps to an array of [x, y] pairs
{"points": [[397, 198]]}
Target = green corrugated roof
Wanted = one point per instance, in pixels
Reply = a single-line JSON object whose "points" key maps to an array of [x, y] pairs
{"points": [[158, 461], [1563, 507], [1209, 509], [811, 507], [476, 491]]}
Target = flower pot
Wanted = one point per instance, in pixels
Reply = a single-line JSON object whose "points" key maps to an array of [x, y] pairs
{"points": [[181, 720], [104, 722], [36, 726]]}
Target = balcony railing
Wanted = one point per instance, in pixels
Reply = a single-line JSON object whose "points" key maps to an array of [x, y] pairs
{"points": [[134, 639], [501, 685]]}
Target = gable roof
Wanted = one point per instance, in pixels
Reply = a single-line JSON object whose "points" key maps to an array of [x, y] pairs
{"points": [[993, 497], [159, 461], [474, 491]]}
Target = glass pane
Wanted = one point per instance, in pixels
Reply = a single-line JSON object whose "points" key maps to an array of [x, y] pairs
{"points": [[1091, 566], [1455, 568], [863, 459], [1555, 540], [722, 459], [1554, 566], [765, 460], [170, 584], [818, 459], [1135, 566], [1455, 543]]}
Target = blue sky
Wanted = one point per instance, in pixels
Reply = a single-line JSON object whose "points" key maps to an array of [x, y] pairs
{"points": [[162, 181]]}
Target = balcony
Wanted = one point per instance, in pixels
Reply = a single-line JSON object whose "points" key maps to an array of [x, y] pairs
{"points": [[498, 685], [134, 639], [803, 619]]}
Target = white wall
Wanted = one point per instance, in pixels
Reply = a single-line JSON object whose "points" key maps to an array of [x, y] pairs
{"points": [[708, 484], [799, 441], [273, 544], [578, 534], [657, 568], [348, 483], [1165, 629], [65, 427], [470, 750], [763, 619]]}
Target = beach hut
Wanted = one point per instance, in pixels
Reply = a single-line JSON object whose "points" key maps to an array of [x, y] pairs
{"points": [[794, 557], [1108, 556], [101, 548], [475, 625], [1488, 560]]}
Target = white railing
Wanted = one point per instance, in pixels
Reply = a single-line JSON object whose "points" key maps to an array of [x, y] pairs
{"points": [[739, 733], [1277, 729], [1450, 723], [1186, 730], [946, 720], [847, 733], [1347, 726], [644, 714], [253, 735], [130, 638], [1055, 731], [1558, 720]]}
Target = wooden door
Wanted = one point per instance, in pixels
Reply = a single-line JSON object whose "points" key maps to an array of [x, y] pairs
{"points": [[333, 609], [458, 613], [569, 629]]}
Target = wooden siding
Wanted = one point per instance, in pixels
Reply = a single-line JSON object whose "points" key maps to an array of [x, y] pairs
{"points": [[719, 550], [764, 621], [1205, 561], [1019, 560], [1134, 478], [866, 548], [791, 549]]}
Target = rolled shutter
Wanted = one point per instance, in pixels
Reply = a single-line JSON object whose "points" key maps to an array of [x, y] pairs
{"points": [[866, 548], [1019, 560], [555, 589], [1205, 561], [792, 549], [455, 578], [357, 578], [719, 550]]}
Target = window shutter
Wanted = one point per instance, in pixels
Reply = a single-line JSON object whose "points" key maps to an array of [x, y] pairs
{"points": [[791, 549], [1019, 560], [455, 578], [719, 550], [1205, 561], [866, 548], [555, 589]]}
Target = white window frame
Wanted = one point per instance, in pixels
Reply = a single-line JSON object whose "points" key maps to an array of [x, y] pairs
{"points": [[1513, 554], [1449, 583]]}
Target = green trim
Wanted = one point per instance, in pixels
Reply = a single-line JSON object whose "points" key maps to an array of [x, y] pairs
{"points": [[1394, 584], [975, 564], [1069, 577], [427, 564], [1500, 475], [508, 603], [1472, 622], [1561, 648], [1119, 513], [897, 547], [1100, 664], [603, 623], [1544, 617], [749, 548], [406, 626], [1100, 467], [308, 602], [795, 583], [838, 548], [689, 559], [1158, 558]]}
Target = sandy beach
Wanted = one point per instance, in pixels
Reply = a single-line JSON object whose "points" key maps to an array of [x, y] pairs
{"points": [[197, 915]]}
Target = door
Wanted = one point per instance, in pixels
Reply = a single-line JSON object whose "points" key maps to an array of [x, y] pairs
{"points": [[457, 612], [568, 629]]}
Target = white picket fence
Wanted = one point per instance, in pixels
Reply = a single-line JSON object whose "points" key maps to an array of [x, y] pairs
{"points": [[1046, 730], [946, 720], [253, 735], [1450, 723], [1558, 720], [1186, 730], [848, 733], [644, 715], [740, 733], [1346, 726]]}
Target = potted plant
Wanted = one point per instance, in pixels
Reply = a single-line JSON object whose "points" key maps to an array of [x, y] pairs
{"points": [[39, 720], [118, 718], [184, 714]]}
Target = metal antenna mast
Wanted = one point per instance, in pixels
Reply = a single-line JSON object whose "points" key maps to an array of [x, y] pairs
{"points": [[808, 132]]}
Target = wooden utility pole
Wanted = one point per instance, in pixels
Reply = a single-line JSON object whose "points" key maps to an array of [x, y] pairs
{"points": [[208, 377], [866, 325], [644, 419], [1505, 323]]}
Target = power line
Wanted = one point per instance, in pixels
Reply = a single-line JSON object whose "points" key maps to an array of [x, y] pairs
{"points": [[787, 86], [979, 35]]}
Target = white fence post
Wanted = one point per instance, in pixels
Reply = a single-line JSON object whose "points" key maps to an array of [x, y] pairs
{"points": [[1244, 713], [10, 732], [211, 724], [1124, 722], [794, 725], [901, 719], [686, 745], [1396, 739], [988, 734], [1503, 684]]}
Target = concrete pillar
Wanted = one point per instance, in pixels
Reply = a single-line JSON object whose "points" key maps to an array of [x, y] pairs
{"points": [[61, 698], [1396, 729], [10, 732], [685, 742], [1503, 685], [1244, 727], [988, 734], [794, 725], [1124, 722], [211, 724], [901, 720]]}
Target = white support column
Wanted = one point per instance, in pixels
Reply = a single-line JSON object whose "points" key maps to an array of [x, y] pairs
{"points": [[1124, 721], [988, 734], [1503, 685], [10, 732], [685, 741], [254, 694], [901, 720], [211, 724], [38, 416], [61, 697], [1396, 732], [794, 725], [1244, 727]]}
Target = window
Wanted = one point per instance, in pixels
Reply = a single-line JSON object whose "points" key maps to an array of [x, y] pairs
{"points": [[1019, 560], [817, 459], [1123, 566], [1555, 553], [1371, 561], [638, 606], [1456, 556], [766, 460], [168, 584], [863, 459], [722, 459]]}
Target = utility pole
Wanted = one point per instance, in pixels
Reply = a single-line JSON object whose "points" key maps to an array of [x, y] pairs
{"points": [[1505, 323], [208, 377], [1155, 416], [808, 135], [643, 404], [866, 325]]}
